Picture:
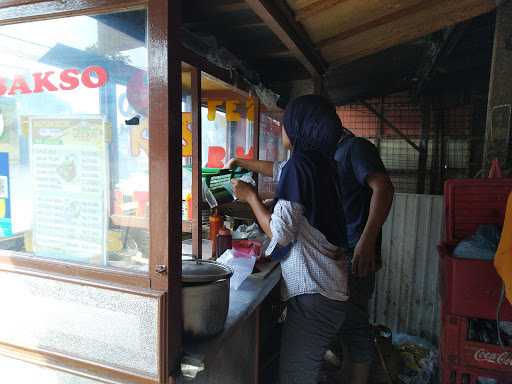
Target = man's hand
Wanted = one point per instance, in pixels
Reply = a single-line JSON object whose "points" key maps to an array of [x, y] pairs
{"points": [[364, 261], [231, 164], [243, 191]]}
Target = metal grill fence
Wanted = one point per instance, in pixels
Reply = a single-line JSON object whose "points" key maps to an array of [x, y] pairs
{"points": [[453, 137]]}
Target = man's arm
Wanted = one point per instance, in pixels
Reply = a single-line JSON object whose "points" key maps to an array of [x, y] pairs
{"points": [[380, 204], [262, 167]]}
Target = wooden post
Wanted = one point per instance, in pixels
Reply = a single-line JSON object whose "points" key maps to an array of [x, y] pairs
{"points": [[477, 139], [197, 184], [497, 139], [442, 165], [256, 134], [167, 174], [434, 166], [426, 109], [279, 19], [380, 129]]}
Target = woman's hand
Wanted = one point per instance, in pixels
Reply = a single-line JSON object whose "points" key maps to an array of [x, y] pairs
{"points": [[247, 193], [243, 192]]}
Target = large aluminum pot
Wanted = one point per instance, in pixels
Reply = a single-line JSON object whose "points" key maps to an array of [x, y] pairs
{"points": [[205, 297]]}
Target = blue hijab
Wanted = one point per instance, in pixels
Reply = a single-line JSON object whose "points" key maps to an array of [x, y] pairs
{"points": [[309, 177]]}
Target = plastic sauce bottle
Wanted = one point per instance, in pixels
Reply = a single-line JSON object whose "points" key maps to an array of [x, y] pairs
{"points": [[188, 200], [224, 241], [215, 221]]}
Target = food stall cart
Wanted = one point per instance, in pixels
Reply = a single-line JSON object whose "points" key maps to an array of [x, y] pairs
{"points": [[94, 134], [224, 122]]}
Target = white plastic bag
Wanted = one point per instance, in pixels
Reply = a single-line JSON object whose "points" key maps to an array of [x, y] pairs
{"points": [[246, 178], [242, 266], [246, 232], [208, 196]]}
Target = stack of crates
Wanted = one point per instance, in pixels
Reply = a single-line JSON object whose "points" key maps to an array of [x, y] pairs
{"points": [[470, 289]]}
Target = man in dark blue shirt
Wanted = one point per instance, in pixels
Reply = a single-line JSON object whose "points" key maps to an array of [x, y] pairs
{"points": [[367, 194]]}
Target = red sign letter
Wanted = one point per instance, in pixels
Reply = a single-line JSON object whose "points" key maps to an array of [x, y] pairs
{"points": [[3, 87], [216, 157], [41, 81], [20, 84], [69, 82], [240, 153], [101, 74]]}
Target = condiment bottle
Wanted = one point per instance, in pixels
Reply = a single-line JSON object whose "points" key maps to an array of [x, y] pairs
{"points": [[215, 221], [224, 241], [188, 200]]}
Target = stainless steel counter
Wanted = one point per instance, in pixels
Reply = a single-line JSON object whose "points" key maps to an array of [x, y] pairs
{"points": [[231, 356]]}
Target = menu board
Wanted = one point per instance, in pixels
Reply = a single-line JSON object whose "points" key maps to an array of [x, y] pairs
{"points": [[69, 168], [5, 198]]}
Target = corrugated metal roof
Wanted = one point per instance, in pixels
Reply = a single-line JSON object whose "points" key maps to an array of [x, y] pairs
{"points": [[407, 292]]}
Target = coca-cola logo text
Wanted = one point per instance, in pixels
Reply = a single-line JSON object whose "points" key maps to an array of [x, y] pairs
{"points": [[67, 80], [504, 358]]}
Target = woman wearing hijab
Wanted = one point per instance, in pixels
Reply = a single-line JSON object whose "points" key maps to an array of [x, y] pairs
{"points": [[307, 233]]}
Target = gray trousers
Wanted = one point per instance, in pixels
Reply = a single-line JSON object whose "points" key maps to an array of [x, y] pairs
{"points": [[312, 322], [356, 333]]}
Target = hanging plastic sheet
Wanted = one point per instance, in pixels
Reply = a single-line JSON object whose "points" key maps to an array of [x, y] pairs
{"points": [[208, 47]]}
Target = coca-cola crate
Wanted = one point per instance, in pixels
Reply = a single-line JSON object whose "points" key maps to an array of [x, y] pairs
{"points": [[457, 349], [456, 374], [472, 202], [471, 288], [450, 338]]}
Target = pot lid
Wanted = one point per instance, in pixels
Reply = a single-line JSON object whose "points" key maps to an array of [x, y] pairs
{"points": [[204, 271]]}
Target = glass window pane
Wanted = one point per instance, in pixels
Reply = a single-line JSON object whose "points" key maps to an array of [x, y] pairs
{"points": [[74, 174], [186, 123], [271, 148], [227, 120]]}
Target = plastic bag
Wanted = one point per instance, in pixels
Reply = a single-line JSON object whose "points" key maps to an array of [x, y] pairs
{"points": [[246, 178], [247, 232], [208, 196], [242, 266], [482, 245], [419, 359], [486, 380]]}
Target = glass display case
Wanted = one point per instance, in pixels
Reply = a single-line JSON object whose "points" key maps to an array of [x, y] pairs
{"points": [[74, 153]]}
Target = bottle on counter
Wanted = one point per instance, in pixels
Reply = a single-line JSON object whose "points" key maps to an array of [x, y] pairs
{"points": [[216, 223], [188, 205], [224, 241]]}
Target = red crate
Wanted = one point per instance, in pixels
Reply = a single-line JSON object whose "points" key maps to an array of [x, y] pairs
{"points": [[471, 202], [472, 288], [457, 350], [456, 374], [450, 339]]}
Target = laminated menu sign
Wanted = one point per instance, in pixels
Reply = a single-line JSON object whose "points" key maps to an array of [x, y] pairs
{"points": [[69, 188], [5, 199]]}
